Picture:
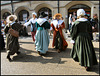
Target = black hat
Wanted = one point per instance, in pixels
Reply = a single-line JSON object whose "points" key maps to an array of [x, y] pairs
{"points": [[42, 15]]}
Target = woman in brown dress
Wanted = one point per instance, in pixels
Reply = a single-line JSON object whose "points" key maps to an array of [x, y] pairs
{"points": [[12, 43]]}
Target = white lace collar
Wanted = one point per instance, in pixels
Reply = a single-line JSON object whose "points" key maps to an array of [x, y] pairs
{"points": [[40, 21], [56, 23], [82, 19]]}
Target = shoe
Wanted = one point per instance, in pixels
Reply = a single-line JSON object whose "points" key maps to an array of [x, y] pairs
{"points": [[39, 52], [8, 57], [42, 54], [87, 68], [58, 51], [18, 53]]}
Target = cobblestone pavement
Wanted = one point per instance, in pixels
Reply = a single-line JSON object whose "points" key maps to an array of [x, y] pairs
{"points": [[53, 63]]}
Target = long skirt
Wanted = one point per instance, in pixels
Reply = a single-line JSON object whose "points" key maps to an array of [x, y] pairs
{"points": [[33, 35], [42, 41], [12, 44], [83, 51]]}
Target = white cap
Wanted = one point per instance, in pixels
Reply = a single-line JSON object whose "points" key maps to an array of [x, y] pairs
{"points": [[80, 12], [34, 14]]}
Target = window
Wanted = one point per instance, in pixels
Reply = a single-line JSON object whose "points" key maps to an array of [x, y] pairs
{"points": [[46, 10], [23, 14], [79, 6]]}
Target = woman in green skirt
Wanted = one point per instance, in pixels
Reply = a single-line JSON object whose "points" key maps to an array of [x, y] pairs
{"points": [[83, 50]]}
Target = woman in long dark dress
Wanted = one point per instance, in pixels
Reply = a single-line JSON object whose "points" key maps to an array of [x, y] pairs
{"points": [[12, 42], [83, 50]]}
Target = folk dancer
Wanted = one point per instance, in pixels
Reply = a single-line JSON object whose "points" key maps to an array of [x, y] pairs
{"points": [[83, 50], [42, 36], [12, 43], [32, 21], [58, 39]]}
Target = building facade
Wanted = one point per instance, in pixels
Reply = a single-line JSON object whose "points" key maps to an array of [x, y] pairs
{"points": [[24, 9]]}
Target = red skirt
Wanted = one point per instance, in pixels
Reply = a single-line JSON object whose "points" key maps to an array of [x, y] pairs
{"points": [[33, 35]]}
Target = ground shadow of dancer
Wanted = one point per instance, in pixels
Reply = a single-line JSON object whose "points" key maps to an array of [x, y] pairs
{"points": [[51, 57]]}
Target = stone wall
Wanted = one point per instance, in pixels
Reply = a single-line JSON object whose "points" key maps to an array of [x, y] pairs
{"points": [[31, 6]]}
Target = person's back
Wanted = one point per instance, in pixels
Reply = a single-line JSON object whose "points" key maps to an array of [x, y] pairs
{"points": [[83, 50], [83, 27], [42, 37]]}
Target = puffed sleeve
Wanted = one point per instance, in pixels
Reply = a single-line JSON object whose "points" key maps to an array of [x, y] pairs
{"points": [[27, 23], [73, 31], [52, 26]]}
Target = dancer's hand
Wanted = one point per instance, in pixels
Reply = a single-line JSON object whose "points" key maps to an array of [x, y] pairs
{"points": [[93, 27], [59, 25], [24, 25], [72, 41]]}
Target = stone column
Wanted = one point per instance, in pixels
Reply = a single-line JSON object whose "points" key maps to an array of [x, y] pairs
{"points": [[92, 11]]}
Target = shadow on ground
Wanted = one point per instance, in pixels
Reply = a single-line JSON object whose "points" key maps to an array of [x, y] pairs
{"points": [[51, 57], [26, 42]]}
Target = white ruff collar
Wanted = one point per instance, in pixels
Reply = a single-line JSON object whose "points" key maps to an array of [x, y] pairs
{"points": [[81, 19], [56, 23], [40, 21]]}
